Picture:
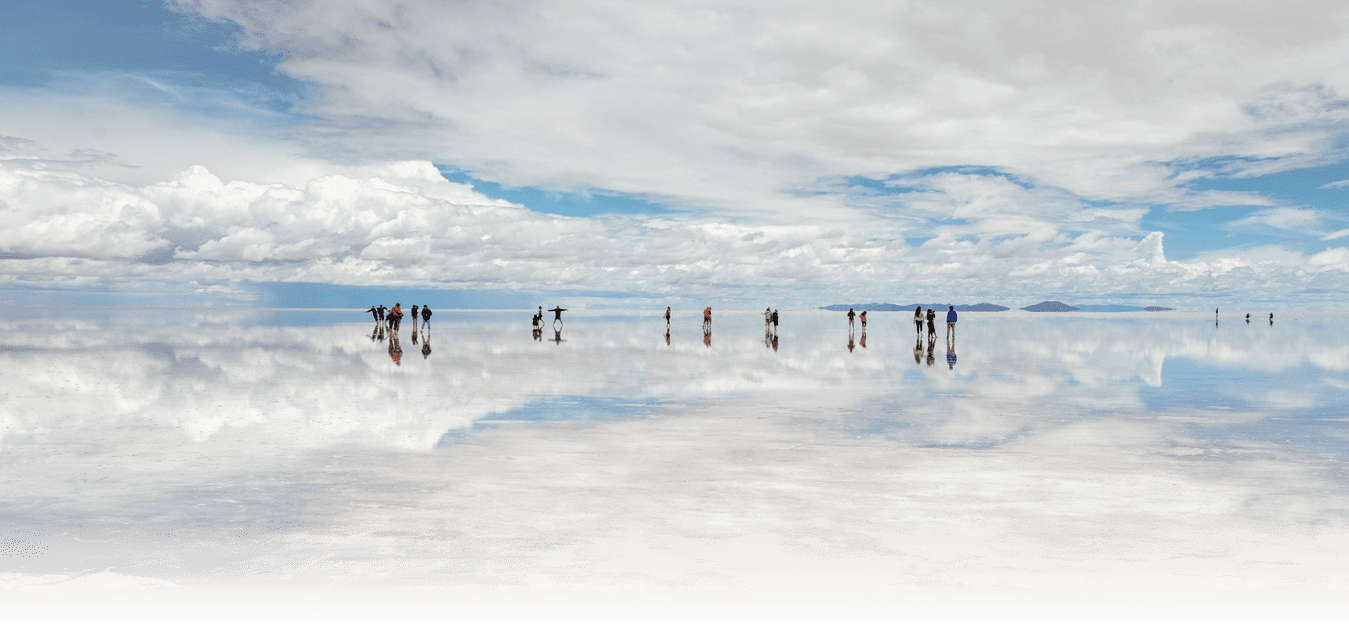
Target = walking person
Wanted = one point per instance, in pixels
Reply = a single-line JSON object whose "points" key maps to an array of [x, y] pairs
{"points": [[851, 316], [950, 325], [918, 322]]}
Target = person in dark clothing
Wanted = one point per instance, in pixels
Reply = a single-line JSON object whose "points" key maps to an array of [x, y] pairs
{"points": [[667, 317], [851, 316], [863, 319], [375, 312], [918, 321], [426, 314], [382, 311], [775, 321], [931, 325], [557, 314]]}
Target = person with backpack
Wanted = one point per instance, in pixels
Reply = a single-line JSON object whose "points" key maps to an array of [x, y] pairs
{"points": [[851, 316]]}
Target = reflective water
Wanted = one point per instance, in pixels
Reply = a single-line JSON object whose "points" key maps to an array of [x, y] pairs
{"points": [[1113, 453]]}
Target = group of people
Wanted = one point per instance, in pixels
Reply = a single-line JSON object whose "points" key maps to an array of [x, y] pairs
{"points": [[931, 319], [393, 318]]}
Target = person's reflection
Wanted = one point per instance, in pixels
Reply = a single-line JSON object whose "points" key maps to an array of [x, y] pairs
{"points": [[767, 335], [918, 351], [950, 357], [851, 343], [707, 334], [426, 341], [538, 334], [381, 331], [374, 333], [395, 350], [931, 350], [775, 342], [667, 335], [862, 341], [557, 336], [414, 335]]}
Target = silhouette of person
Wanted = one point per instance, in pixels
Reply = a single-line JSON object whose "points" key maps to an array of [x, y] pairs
{"points": [[537, 332], [863, 319], [557, 314], [768, 316], [382, 311], [538, 318], [851, 345], [557, 336], [374, 312], [862, 341], [426, 314], [416, 312], [414, 334], [918, 321], [931, 346], [775, 325], [1248, 318], [931, 325], [667, 318], [851, 316], [1271, 319], [707, 321], [426, 344], [395, 316], [667, 334], [775, 342]]}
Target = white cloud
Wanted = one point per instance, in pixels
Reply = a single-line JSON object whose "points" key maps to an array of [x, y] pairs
{"points": [[736, 105]]}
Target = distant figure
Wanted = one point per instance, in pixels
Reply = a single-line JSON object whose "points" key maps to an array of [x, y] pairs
{"points": [[396, 317], [381, 312], [537, 332], [707, 339], [374, 312], [540, 316], [931, 345], [951, 324], [1271, 319], [775, 342], [667, 334], [863, 318], [862, 341], [416, 312], [950, 357], [918, 351], [1215, 313], [931, 325], [1248, 318], [775, 328], [851, 345], [667, 319], [768, 316], [851, 316], [918, 321], [557, 313], [707, 322], [426, 341], [426, 314]]}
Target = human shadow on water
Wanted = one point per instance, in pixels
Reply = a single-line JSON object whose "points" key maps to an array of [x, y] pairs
{"points": [[667, 334], [707, 336], [395, 349]]}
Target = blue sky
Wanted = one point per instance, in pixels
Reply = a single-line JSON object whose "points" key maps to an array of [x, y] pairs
{"points": [[987, 173]]}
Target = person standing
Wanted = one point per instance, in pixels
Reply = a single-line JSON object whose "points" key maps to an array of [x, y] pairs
{"points": [[863, 318], [707, 321], [918, 322], [375, 312], [951, 324], [667, 317], [931, 325], [382, 312], [396, 318], [426, 314], [768, 316], [851, 316], [775, 322]]}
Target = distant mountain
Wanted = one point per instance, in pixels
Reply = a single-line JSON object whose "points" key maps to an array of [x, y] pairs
{"points": [[1107, 308], [886, 306], [982, 307], [1049, 306], [1156, 308]]}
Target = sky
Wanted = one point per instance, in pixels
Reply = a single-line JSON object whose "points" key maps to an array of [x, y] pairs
{"points": [[1187, 154]]}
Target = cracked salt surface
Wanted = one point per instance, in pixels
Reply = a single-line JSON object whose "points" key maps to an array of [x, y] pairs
{"points": [[1129, 458]]}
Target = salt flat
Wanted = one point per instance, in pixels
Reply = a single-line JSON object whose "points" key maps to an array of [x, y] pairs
{"points": [[1155, 463]]}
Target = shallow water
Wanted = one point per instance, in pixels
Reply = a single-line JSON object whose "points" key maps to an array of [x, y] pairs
{"points": [[1117, 454]]}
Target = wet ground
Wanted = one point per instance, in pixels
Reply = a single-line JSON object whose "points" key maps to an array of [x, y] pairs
{"points": [[1131, 458]]}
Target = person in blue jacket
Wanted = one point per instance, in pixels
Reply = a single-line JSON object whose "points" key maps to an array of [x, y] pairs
{"points": [[951, 324]]}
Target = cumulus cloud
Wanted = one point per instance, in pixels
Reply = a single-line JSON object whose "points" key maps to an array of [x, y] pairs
{"points": [[949, 234], [736, 105]]}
